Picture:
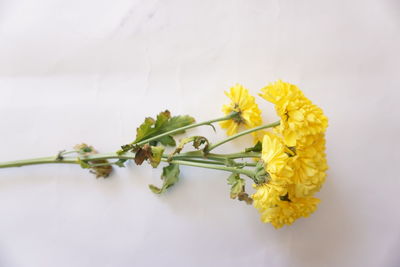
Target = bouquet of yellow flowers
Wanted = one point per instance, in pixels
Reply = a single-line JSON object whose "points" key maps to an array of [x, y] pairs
{"points": [[286, 165]]}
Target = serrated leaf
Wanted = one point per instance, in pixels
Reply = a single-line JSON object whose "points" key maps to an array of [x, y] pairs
{"points": [[256, 148], [170, 176], [178, 122], [164, 123], [144, 129]]}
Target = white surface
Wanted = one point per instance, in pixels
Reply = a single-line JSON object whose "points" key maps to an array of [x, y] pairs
{"points": [[73, 71]]}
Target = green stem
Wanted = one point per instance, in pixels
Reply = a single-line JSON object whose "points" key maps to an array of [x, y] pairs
{"points": [[62, 153], [208, 164], [213, 160], [200, 154], [211, 147], [204, 161], [45, 160], [209, 122], [249, 173], [217, 158]]}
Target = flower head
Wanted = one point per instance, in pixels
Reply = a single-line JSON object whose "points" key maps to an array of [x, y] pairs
{"points": [[293, 156], [310, 166], [277, 207], [249, 115], [276, 159], [299, 117], [268, 195]]}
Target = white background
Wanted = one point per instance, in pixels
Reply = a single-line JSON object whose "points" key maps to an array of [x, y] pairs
{"points": [[90, 71]]}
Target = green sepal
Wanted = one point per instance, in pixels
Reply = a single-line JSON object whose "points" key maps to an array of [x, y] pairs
{"points": [[169, 176], [256, 148], [261, 176]]}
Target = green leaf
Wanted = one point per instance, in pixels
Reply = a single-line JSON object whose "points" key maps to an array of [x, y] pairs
{"points": [[164, 123], [83, 164], [156, 154], [178, 122], [167, 141], [256, 148], [238, 188], [120, 163], [145, 129], [170, 176], [237, 184]]}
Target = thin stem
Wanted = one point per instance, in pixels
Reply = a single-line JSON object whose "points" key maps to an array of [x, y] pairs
{"points": [[211, 147], [219, 159], [102, 164], [229, 116], [204, 161], [19, 163], [200, 154], [210, 166], [62, 153], [240, 155], [214, 160]]}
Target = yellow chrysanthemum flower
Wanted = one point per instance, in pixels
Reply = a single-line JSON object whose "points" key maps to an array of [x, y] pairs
{"points": [[299, 117], [293, 156], [244, 103], [309, 165], [275, 157], [267, 195], [283, 211], [294, 176]]}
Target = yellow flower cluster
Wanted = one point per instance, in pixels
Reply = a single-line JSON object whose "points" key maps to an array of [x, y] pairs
{"points": [[299, 117], [245, 104], [293, 156]]}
